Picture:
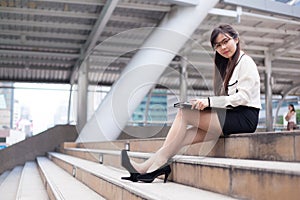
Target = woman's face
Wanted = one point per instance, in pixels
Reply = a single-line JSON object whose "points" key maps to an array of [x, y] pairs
{"points": [[225, 45]]}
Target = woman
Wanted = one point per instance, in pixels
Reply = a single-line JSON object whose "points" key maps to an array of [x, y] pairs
{"points": [[236, 84], [291, 118]]}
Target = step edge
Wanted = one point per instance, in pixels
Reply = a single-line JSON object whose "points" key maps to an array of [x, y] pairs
{"points": [[87, 189], [119, 183], [208, 161]]}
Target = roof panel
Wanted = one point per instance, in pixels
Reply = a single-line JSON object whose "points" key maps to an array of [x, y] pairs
{"points": [[41, 40]]}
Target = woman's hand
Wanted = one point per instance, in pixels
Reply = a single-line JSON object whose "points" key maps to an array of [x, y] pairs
{"points": [[199, 104]]}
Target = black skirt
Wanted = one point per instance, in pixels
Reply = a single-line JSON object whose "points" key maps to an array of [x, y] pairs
{"points": [[240, 119]]}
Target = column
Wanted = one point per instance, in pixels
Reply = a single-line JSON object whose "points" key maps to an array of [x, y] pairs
{"points": [[82, 96], [268, 91], [183, 80]]}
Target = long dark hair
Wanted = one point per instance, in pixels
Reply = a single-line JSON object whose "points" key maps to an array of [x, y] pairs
{"points": [[293, 108], [223, 66]]}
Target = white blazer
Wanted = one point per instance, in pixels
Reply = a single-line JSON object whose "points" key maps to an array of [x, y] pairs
{"points": [[243, 87]]}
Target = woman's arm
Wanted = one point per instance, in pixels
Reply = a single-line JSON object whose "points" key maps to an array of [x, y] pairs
{"points": [[287, 116]]}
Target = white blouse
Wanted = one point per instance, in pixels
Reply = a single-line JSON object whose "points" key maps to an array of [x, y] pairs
{"points": [[243, 87], [293, 118]]}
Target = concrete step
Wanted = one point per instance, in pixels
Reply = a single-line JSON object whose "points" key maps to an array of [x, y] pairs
{"points": [[246, 179], [9, 186], [279, 146], [3, 176], [107, 181], [241, 178], [31, 186], [263, 179], [61, 185]]}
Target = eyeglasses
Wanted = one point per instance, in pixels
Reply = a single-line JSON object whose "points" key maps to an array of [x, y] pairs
{"points": [[219, 45]]}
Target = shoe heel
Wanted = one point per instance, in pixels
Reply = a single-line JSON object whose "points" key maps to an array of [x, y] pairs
{"points": [[166, 176]]}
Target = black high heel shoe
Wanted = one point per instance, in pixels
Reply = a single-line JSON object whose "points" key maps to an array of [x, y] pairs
{"points": [[149, 177], [132, 177], [125, 162]]}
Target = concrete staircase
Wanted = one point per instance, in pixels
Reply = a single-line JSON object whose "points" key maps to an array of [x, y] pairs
{"points": [[259, 166]]}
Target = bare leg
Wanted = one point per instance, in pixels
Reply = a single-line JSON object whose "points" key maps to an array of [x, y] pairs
{"points": [[180, 136], [174, 136], [177, 128]]}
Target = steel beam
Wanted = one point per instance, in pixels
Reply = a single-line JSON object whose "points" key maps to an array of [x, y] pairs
{"points": [[42, 44], [52, 13], [268, 6], [41, 54], [143, 71], [183, 2], [100, 24], [135, 5]]}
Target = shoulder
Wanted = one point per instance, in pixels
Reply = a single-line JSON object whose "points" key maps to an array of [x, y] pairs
{"points": [[247, 63], [246, 59]]}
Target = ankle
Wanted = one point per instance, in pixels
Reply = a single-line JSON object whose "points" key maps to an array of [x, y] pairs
{"points": [[157, 164], [139, 167]]}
